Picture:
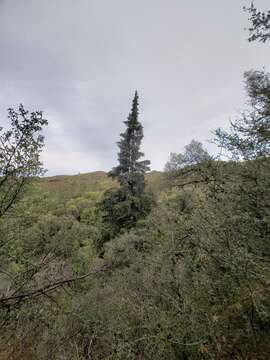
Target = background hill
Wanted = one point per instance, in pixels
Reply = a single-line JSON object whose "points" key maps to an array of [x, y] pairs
{"points": [[75, 185]]}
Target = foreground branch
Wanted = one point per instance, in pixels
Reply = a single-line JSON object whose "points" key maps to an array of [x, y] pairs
{"points": [[14, 300]]}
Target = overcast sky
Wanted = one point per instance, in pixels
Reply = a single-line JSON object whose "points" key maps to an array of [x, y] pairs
{"points": [[80, 62]]}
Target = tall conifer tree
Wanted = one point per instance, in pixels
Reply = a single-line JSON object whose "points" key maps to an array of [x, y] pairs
{"points": [[130, 171], [122, 207]]}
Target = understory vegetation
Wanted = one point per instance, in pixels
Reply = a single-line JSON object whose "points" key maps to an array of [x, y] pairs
{"points": [[137, 264]]}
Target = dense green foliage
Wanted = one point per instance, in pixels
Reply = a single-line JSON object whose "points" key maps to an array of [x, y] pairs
{"points": [[190, 282], [123, 206], [188, 278]]}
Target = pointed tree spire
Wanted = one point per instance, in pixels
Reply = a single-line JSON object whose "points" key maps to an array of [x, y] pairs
{"points": [[130, 171], [123, 206]]}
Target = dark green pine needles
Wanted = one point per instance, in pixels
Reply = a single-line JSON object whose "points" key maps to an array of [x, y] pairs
{"points": [[122, 207], [130, 171]]}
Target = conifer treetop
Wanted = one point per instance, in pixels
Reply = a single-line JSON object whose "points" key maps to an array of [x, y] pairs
{"points": [[129, 155]]}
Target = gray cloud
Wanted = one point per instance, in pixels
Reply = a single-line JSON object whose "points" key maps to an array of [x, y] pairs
{"points": [[80, 61]]}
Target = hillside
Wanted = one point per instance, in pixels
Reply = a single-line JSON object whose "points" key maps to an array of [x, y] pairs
{"points": [[94, 181]]}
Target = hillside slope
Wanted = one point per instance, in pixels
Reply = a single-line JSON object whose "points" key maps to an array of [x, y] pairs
{"points": [[93, 181]]}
